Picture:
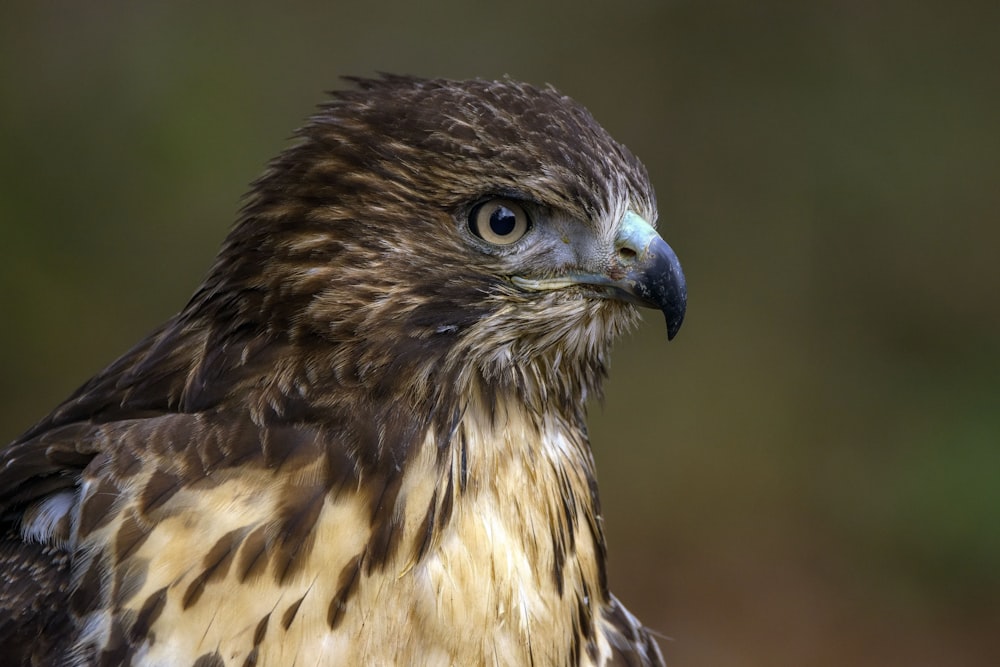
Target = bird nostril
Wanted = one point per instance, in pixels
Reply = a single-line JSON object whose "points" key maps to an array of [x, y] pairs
{"points": [[627, 255]]}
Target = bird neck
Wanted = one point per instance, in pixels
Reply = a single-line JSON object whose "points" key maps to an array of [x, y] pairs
{"points": [[522, 539]]}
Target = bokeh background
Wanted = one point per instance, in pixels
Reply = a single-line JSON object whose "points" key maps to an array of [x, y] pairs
{"points": [[810, 473]]}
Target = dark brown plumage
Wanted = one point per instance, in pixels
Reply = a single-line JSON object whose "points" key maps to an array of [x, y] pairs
{"points": [[362, 441]]}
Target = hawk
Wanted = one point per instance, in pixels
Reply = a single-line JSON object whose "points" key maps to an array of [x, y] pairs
{"points": [[363, 440]]}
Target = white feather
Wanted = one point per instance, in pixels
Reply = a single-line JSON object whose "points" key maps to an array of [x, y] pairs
{"points": [[42, 519]]}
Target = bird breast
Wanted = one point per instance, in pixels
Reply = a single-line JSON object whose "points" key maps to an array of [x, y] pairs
{"points": [[499, 559]]}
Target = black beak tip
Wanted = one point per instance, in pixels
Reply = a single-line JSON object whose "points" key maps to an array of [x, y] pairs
{"points": [[674, 321], [671, 290]]}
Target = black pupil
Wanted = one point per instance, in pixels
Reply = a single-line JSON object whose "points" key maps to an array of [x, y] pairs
{"points": [[502, 221]]}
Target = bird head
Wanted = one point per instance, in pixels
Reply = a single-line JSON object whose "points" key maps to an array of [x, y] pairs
{"points": [[419, 225]]}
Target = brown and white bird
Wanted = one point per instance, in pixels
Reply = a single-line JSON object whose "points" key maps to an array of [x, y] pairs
{"points": [[363, 440]]}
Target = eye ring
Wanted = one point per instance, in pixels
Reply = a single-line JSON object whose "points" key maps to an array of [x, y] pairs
{"points": [[499, 221]]}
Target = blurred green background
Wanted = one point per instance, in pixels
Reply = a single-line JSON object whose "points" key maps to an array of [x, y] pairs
{"points": [[809, 474]]}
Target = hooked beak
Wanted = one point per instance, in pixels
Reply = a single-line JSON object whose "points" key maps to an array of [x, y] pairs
{"points": [[654, 277], [644, 271]]}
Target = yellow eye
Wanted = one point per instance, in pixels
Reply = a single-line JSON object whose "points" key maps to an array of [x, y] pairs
{"points": [[499, 221]]}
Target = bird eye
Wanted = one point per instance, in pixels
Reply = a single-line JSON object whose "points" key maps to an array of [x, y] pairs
{"points": [[499, 221]]}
